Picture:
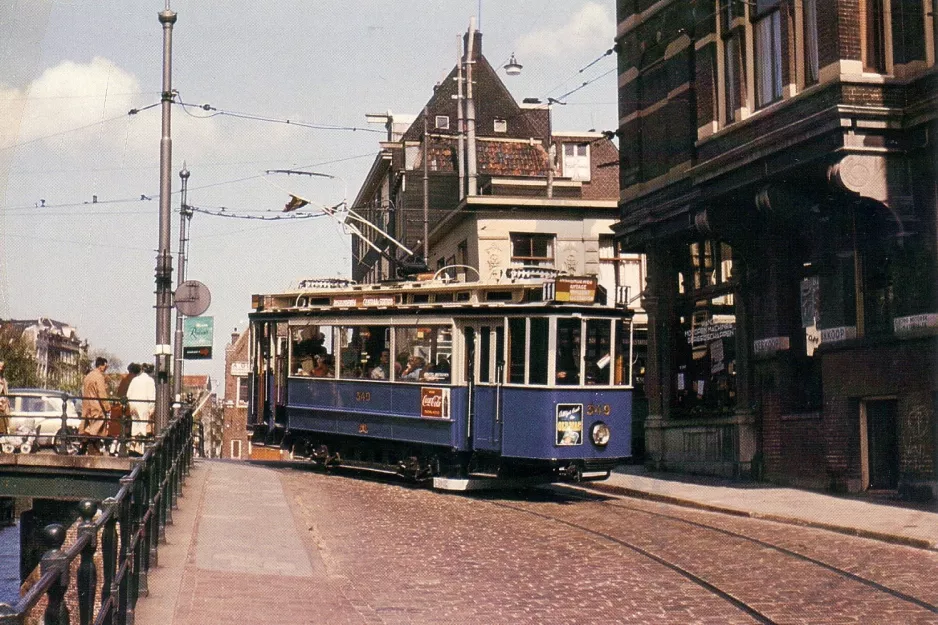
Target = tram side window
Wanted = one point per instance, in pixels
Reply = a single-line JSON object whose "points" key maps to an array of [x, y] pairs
{"points": [[539, 351], [310, 351], [517, 339], [365, 352], [485, 353], [424, 353], [598, 356], [568, 351]]}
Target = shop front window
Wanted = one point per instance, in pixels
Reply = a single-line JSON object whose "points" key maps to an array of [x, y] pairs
{"points": [[704, 375], [705, 379]]}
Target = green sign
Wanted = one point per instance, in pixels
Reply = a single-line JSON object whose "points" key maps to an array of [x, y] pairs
{"points": [[197, 338]]}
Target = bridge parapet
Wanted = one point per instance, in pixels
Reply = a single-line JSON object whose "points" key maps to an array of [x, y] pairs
{"points": [[128, 527]]}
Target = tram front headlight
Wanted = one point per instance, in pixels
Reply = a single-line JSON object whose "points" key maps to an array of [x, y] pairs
{"points": [[600, 433]]}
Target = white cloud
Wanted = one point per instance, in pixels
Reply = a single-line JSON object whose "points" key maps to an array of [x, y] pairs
{"points": [[71, 95], [591, 28]]}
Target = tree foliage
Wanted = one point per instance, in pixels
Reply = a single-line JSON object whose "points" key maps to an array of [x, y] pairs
{"points": [[20, 358]]}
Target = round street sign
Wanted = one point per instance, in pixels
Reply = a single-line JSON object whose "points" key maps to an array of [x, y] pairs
{"points": [[192, 298]]}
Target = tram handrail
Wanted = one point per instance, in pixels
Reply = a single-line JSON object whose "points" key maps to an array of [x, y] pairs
{"points": [[448, 267], [141, 508]]}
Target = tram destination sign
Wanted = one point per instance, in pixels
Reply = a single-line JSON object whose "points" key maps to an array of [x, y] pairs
{"points": [[363, 301], [575, 290]]}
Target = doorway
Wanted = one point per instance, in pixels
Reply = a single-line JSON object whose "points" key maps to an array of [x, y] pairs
{"points": [[880, 437]]}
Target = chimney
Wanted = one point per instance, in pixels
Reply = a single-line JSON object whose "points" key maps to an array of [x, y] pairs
{"points": [[476, 44]]}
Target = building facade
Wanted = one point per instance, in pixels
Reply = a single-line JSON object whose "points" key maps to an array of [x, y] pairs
{"points": [[491, 186], [234, 435], [778, 169], [61, 355]]}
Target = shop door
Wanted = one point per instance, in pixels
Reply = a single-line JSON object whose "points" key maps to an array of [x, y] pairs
{"points": [[882, 444]]}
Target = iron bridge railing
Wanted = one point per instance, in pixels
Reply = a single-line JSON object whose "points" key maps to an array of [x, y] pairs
{"points": [[129, 528]]}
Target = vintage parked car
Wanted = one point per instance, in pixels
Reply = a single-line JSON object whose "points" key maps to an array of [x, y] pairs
{"points": [[35, 420]]}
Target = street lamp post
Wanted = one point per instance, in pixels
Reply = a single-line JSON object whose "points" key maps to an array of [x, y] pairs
{"points": [[164, 260], [185, 214]]}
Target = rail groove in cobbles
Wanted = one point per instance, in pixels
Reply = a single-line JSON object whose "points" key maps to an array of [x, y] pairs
{"points": [[685, 571]]}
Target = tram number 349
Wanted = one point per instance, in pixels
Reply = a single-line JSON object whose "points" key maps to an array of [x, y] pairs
{"points": [[598, 409], [362, 396]]}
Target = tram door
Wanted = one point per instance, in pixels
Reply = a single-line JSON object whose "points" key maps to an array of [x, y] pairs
{"points": [[485, 344], [271, 380]]}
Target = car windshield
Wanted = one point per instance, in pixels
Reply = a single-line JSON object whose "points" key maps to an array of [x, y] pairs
{"points": [[47, 405]]}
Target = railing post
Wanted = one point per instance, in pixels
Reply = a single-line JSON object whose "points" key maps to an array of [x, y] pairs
{"points": [[62, 447], [143, 509], [125, 558], [161, 481], [109, 557], [54, 560], [126, 421], [87, 570], [153, 533]]}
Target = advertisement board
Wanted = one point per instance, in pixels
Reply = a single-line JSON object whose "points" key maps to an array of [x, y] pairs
{"points": [[197, 335]]}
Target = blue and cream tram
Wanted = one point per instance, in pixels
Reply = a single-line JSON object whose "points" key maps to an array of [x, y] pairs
{"points": [[528, 375]]}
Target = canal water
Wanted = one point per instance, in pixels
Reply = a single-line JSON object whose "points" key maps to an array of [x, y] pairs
{"points": [[9, 564]]}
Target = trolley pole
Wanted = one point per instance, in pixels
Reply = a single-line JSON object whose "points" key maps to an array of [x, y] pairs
{"points": [[185, 214], [164, 259]]}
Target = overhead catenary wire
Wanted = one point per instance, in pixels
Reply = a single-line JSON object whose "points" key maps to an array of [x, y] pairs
{"points": [[214, 111], [146, 197], [71, 130]]}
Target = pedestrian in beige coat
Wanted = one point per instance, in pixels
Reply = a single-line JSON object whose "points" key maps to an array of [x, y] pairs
{"points": [[94, 407]]}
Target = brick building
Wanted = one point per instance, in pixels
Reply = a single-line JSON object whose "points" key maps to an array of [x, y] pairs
{"points": [[494, 200], [234, 436], [778, 169]]}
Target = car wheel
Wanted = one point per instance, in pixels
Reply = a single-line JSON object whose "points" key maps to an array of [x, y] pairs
{"points": [[7, 447]]}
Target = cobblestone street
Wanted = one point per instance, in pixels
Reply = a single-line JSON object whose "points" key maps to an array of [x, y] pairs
{"points": [[415, 556], [252, 544]]}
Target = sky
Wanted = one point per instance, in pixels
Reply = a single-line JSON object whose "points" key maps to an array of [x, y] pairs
{"points": [[79, 176]]}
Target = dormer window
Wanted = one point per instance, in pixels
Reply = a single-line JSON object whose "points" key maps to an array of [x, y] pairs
{"points": [[442, 122], [576, 161], [501, 125]]}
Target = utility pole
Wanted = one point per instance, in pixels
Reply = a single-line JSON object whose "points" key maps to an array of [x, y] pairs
{"points": [[471, 113], [185, 214], [164, 259], [460, 150]]}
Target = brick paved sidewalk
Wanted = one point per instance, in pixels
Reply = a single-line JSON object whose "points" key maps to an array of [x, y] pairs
{"points": [[913, 526], [234, 555]]}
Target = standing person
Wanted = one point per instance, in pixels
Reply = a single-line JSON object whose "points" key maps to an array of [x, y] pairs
{"points": [[115, 427], [141, 397], [94, 407], [4, 399]]}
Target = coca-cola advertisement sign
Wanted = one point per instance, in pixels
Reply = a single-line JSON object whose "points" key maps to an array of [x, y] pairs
{"points": [[434, 402]]}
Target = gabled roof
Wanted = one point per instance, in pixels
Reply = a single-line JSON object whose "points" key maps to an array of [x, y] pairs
{"points": [[492, 101]]}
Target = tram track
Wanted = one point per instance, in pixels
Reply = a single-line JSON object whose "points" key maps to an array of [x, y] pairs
{"points": [[700, 580], [694, 578]]}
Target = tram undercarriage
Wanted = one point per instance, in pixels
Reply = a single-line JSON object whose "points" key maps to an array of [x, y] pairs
{"points": [[444, 468]]}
